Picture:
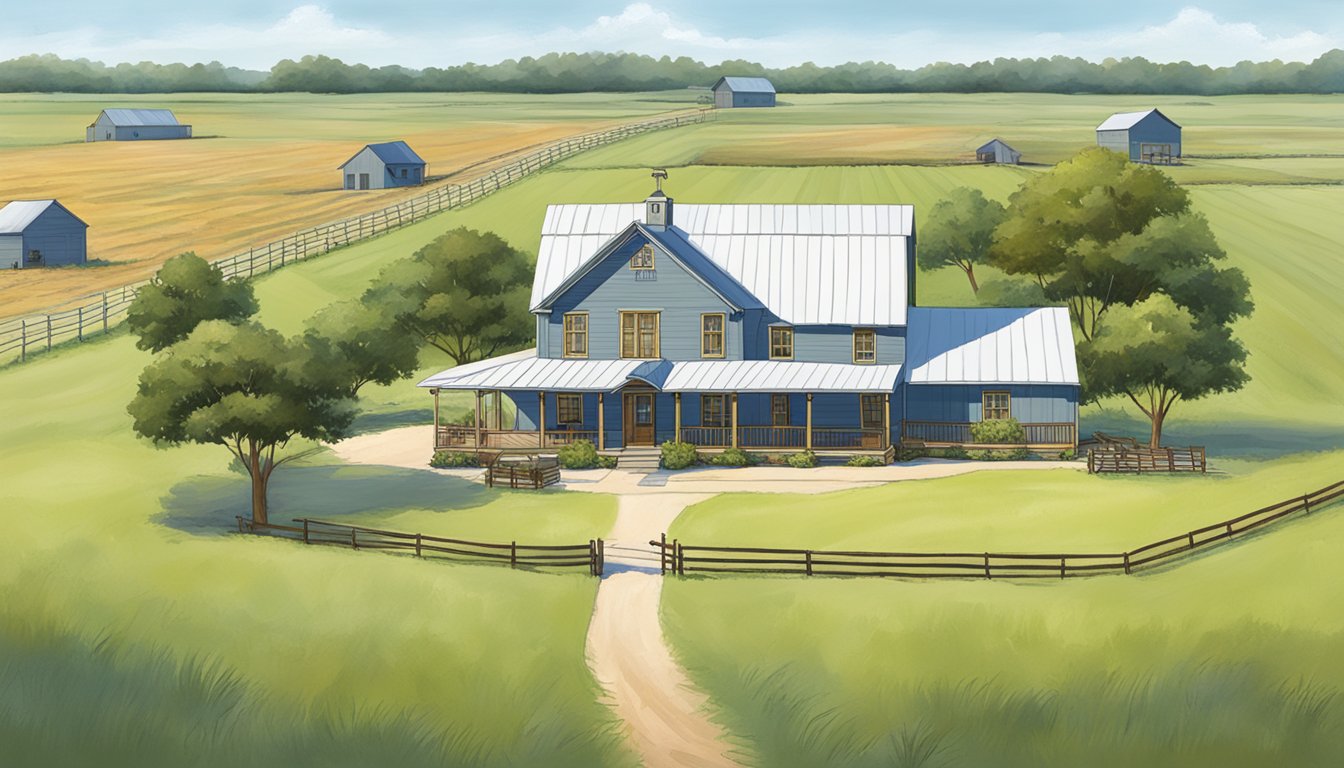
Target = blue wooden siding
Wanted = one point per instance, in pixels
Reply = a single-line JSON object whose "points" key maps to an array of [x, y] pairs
{"points": [[612, 287], [1031, 404], [381, 175], [823, 343], [60, 237], [1153, 129]]}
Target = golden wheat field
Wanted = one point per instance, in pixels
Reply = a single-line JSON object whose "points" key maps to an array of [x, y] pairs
{"points": [[261, 167]]}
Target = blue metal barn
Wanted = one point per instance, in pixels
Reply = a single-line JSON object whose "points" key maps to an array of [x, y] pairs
{"points": [[41, 233], [383, 166], [732, 92], [136, 125], [1143, 137]]}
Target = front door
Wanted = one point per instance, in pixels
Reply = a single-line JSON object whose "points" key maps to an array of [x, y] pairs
{"points": [[638, 418]]}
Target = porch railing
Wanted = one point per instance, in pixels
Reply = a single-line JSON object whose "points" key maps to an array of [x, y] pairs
{"points": [[456, 436], [959, 433], [791, 437]]}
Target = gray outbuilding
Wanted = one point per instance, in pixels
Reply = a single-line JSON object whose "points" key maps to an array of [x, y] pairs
{"points": [[997, 152], [732, 92], [383, 166], [1143, 137], [136, 125], [41, 233]]}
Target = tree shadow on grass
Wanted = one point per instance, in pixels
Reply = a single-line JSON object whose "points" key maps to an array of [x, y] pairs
{"points": [[1227, 439], [207, 505], [378, 422]]}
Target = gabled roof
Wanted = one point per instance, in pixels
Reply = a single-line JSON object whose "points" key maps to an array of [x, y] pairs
{"points": [[138, 117], [746, 84], [991, 144], [524, 370], [16, 216], [1123, 121], [990, 346], [391, 153], [807, 264]]}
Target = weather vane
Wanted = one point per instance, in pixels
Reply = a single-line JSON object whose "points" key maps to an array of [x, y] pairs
{"points": [[658, 175]]}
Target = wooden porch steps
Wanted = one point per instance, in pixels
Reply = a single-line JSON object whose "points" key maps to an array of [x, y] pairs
{"points": [[640, 459]]}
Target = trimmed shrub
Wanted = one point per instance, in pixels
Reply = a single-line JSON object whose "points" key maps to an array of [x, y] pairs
{"points": [[804, 460], [607, 462], [1068, 454], [678, 455], [1016, 454], [998, 432], [952, 452], [453, 460], [865, 461], [580, 454], [733, 457]]}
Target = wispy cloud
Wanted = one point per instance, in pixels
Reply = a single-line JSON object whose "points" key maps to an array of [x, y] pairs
{"points": [[1193, 34]]}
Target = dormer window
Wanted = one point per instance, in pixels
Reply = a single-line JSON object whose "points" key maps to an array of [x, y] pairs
{"points": [[781, 343], [643, 258]]}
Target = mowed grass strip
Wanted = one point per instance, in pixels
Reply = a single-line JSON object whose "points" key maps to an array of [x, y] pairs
{"points": [[262, 167], [1227, 660]]}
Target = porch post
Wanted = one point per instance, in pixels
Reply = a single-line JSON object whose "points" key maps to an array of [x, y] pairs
{"points": [[809, 421], [498, 405], [886, 419], [676, 397], [541, 422], [435, 392], [601, 424], [734, 419], [478, 419]]}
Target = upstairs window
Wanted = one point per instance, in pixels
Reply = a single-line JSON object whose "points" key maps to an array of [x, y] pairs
{"points": [[569, 410], [713, 410], [781, 343], [576, 334], [643, 258], [711, 334], [865, 345], [639, 334], [996, 405]]}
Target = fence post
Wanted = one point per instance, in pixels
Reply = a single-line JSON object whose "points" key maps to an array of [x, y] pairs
{"points": [[662, 554], [104, 311], [513, 554], [1061, 567], [987, 576], [601, 556], [1306, 504], [354, 544], [305, 531], [1127, 571], [808, 553], [592, 557], [1191, 536], [23, 341], [48, 333], [417, 545], [79, 327]]}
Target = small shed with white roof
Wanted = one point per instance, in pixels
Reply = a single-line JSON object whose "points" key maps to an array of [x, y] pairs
{"points": [[41, 233]]}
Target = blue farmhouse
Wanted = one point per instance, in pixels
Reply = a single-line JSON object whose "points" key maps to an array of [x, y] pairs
{"points": [[383, 166], [136, 125], [1143, 137], [772, 328], [41, 233], [743, 92]]}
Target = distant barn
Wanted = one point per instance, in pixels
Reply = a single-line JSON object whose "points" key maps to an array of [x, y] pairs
{"points": [[383, 166], [1143, 137], [136, 125], [41, 233], [998, 152], [743, 92]]}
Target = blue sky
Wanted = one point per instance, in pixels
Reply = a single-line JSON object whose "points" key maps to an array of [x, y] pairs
{"points": [[256, 33]]}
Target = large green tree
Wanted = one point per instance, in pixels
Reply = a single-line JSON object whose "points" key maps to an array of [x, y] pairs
{"points": [[465, 293], [1157, 354], [358, 343], [959, 232], [1099, 234], [244, 387], [186, 291]]}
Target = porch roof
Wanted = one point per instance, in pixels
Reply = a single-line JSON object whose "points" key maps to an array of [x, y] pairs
{"points": [[524, 370]]}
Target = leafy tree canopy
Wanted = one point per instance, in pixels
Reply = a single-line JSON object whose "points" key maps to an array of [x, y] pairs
{"points": [[186, 291], [357, 343], [465, 293], [959, 232]]}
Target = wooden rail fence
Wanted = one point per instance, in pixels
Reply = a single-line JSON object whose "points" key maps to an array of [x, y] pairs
{"points": [[591, 555], [681, 559], [97, 313], [1122, 458]]}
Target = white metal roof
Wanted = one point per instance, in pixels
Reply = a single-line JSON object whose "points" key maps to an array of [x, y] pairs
{"points": [[808, 264], [131, 117], [1123, 121], [779, 376], [524, 370], [747, 84], [16, 216], [990, 346]]}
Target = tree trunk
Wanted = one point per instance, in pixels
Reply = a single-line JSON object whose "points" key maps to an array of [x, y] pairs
{"points": [[1155, 437], [259, 479], [970, 275]]}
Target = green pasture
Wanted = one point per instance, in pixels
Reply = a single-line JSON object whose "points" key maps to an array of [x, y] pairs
{"points": [[39, 119]]}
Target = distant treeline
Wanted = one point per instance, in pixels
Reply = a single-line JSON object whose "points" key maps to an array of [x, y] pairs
{"points": [[579, 72]]}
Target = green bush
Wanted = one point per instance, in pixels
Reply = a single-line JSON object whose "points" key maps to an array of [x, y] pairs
{"points": [[453, 460], [1015, 454], [678, 455], [998, 432], [580, 454], [951, 452], [607, 462], [865, 461], [733, 457], [1068, 454], [804, 460]]}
